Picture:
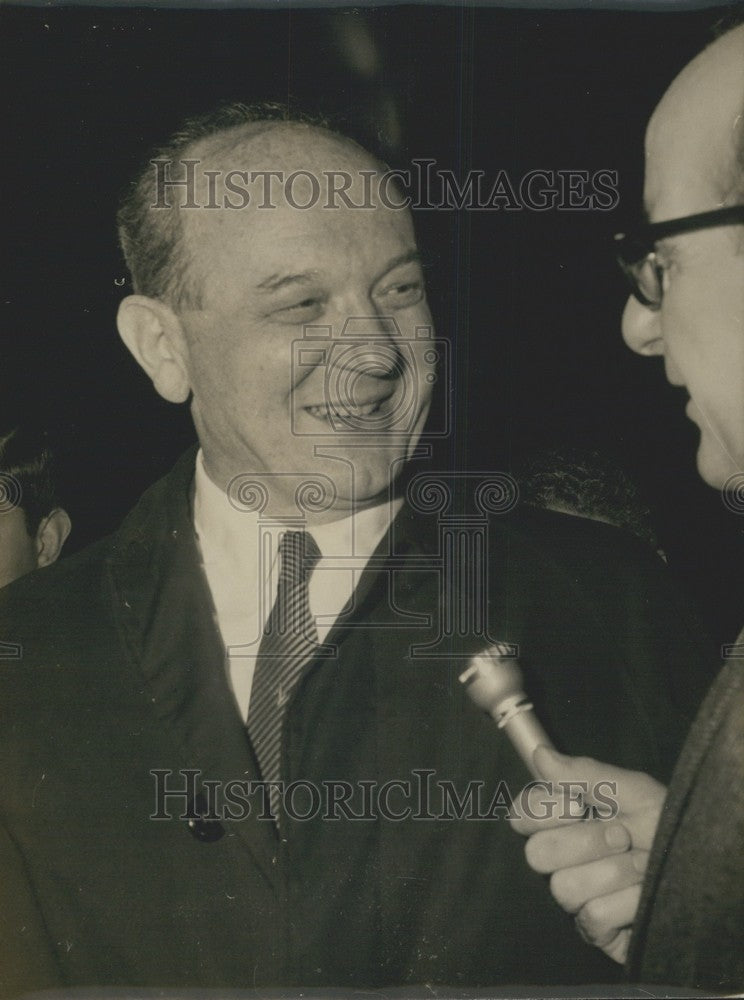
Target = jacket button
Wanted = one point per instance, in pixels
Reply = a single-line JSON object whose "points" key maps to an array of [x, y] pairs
{"points": [[200, 826]]}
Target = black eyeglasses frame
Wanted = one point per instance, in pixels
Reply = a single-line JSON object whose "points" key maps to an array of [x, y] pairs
{"points": [[634, 248]]}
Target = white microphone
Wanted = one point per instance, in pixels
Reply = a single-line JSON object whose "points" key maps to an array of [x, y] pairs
{"points": [[495, 683]]}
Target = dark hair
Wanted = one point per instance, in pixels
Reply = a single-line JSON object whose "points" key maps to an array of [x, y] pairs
{"points": [[152, 241], [27, 465], [588, 484]]}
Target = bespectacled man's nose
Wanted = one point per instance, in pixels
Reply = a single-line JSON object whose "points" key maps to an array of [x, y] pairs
{"points": [[642, 328]]}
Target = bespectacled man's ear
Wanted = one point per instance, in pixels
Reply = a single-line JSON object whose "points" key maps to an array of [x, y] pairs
{"points": [[51, 536], [153, 334]]}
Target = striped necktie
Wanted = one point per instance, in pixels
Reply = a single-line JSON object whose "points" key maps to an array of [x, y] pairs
{"points": [[290, 641]]}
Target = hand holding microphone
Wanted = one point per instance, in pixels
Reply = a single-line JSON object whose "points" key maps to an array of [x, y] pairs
{"points": [[596, 866]]}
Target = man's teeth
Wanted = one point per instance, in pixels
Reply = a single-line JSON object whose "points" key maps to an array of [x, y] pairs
{"points": [[325, 411]]}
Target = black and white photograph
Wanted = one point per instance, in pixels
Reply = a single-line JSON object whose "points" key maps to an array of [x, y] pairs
{"points": [[372, 500]]}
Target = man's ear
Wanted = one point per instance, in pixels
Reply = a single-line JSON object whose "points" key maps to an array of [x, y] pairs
{"points": [[51, 536], [154, 335]]}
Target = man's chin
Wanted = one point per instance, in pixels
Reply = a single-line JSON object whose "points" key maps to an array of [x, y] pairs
{"points": [[368, 491], [714, 466]]}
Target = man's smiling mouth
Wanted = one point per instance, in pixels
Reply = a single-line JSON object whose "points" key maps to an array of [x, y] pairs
{"points": [[346, 411]]}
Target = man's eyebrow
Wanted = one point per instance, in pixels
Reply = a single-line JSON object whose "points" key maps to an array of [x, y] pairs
{"points": [[410, 256], [277, 281]]}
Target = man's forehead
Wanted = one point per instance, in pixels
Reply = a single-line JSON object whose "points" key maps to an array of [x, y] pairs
{"points": [[302, 214], [303, 173], [281, 146], [243, 249], [695, 132], [288, 179], [262, 250]]}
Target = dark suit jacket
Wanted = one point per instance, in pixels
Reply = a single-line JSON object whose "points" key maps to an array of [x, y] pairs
{"points": [[690, 925], [122, 672]]}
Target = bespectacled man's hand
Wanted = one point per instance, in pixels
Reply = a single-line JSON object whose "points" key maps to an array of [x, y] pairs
{"points": [[596, 865]]}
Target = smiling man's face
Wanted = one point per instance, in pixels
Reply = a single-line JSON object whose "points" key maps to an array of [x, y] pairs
{"points": [[271, 396], [693, 144]]}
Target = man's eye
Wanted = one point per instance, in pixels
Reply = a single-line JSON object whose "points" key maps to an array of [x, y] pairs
{"points": [[302, 312], [402, 294]]}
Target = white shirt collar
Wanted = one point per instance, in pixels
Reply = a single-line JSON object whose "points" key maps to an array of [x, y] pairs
{"points": [[243, 586], [234, 532]]}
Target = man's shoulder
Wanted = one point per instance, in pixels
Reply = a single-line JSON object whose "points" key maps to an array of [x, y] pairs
{"points": [[545, 551], [568, 563], [41, 596], [705, 806], [51, 602], [580, 544]]}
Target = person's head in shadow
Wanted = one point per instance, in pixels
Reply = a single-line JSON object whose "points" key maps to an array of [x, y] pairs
{"points": [[33, 525], [587, 484]]}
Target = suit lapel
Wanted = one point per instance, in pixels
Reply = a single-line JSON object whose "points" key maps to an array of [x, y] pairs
{"points": [[165, 608], [408, 559], [409, 535]]}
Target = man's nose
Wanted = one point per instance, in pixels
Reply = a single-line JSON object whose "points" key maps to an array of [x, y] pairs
{"points": [[370, 345], [369, 323], [642, 328]]}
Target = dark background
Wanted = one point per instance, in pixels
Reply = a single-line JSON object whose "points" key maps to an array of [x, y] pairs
{"points": [[531, 302]]}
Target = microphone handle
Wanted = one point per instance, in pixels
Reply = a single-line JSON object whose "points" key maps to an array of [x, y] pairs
{"points": [[494, 683], [523, 728], [526, 735]]}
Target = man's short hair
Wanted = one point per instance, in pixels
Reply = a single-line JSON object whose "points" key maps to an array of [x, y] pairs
{"points": [[152, 241], [26, 458], [587, 484]]}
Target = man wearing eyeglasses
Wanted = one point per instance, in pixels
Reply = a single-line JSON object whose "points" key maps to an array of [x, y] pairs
{"points": [[686, 269]]}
